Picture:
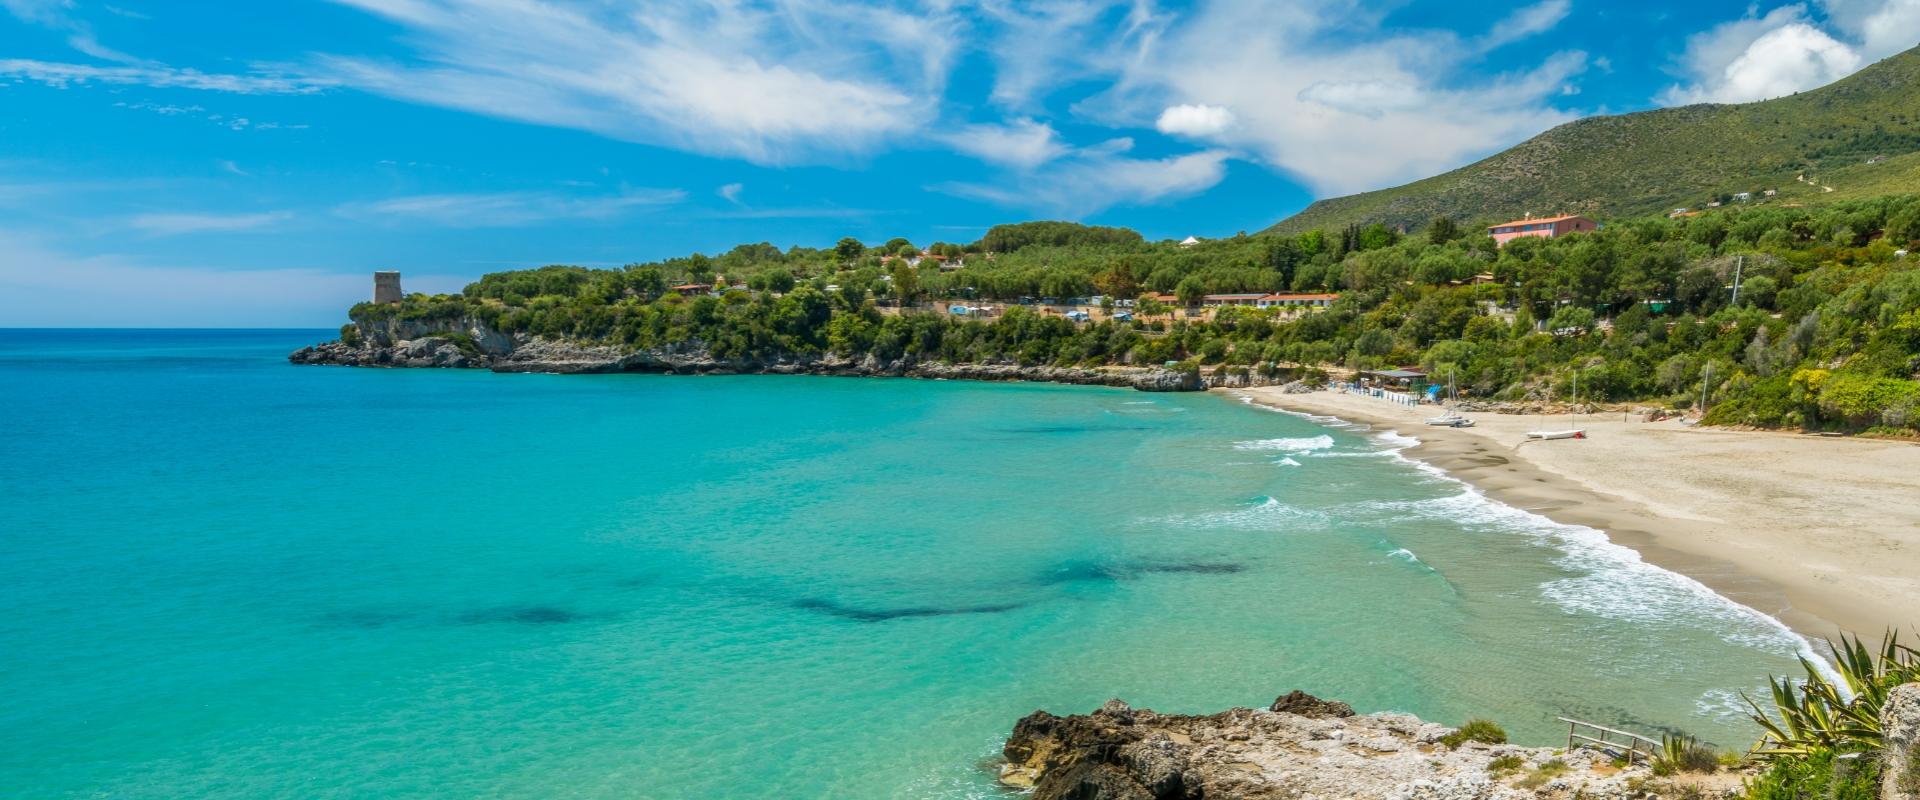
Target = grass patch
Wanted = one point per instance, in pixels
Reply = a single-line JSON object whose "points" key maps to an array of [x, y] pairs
{"points": [[1505, 765], [1542, 774], [1475, 730]]}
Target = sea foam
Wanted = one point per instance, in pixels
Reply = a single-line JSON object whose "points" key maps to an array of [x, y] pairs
{"points": [[1302, 444]]}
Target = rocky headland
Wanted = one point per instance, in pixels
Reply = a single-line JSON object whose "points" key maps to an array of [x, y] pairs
{"points": [[472, 345], [1301, 747]]}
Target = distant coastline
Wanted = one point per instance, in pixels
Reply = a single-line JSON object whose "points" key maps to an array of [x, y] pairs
{"points": [[1820, 533]]}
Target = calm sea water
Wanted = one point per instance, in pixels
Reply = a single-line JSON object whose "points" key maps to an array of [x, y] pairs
{"points": [[225, 576]]}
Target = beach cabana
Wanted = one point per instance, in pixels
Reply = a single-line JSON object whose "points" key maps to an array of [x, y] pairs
{"points": [[1397, 378]]}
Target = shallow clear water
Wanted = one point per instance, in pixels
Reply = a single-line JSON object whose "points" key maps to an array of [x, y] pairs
{"points": [[224, 576]]}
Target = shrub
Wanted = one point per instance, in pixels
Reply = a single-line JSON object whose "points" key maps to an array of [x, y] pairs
{"points": [[1475, 730], [350, 335], [1505, 764], [1684, 754], [1818, 775]]}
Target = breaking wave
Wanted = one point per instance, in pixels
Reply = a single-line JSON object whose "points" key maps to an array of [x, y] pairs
{"points": [[1303, 444]]}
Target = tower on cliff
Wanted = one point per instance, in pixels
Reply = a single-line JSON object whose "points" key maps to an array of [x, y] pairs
{"points": [[386, 287]]}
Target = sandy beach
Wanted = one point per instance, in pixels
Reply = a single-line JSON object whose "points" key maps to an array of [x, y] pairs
{"points": [[1821, 532]]}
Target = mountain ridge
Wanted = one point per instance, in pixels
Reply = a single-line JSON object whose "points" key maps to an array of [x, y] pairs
{"points": [[1801, 145]]}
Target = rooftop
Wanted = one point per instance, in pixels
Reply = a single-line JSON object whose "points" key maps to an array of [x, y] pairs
{"points": [[1538, 220]]}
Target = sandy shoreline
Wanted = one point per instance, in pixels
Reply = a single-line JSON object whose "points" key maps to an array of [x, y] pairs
{"points": [[1822, 533]]}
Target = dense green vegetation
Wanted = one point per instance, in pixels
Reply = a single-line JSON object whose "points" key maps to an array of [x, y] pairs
{"points": [[1824, 332], [1654, 161], [1823, 737]]}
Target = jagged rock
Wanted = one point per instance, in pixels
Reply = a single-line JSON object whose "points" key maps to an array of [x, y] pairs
{"points": [[1900, 722], [1311, 748], [1306, 705], [411, 344]]}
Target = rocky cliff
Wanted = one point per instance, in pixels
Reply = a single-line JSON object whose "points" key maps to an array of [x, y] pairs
{"points": [[472, 345], [1900, 721], [1300, 747]]}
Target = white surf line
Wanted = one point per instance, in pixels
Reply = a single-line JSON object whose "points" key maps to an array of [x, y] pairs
{"points": [[1802, 645]]}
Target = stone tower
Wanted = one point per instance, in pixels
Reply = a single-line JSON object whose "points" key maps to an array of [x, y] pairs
{"points": [[386, 287]]}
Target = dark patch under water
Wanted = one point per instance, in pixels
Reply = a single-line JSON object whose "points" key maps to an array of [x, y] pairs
{"points": [[1074, 428], [843, 611], [521, 615], [513, 615], [1088, 571]]}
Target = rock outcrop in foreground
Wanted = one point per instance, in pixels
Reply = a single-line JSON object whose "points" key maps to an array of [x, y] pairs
{"points": [[1301, 747], [479, 348], [1900, 721]]}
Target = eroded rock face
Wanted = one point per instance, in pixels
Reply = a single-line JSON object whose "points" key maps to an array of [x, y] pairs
{"points": [[1900, 721], [1302, 747], [481, 348]]}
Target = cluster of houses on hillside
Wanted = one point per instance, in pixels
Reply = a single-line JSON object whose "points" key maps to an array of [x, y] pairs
{"points": [[946, 264], [1736, 197]]}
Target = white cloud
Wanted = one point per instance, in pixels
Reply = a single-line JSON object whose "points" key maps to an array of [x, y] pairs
{"points": [[731, 192], [507, 209], [1096, 179], [803, 80], [1526, 22], [1023, 143], [1787, 50], [1756, 58], [1194, 120], [1882, 27], [1321, 91], [61, 76], [186, 223]]}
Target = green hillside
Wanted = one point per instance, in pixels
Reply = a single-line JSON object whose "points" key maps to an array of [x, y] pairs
{"points": [[1652, 161]]}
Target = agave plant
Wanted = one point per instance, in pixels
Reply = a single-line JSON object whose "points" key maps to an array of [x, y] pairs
{"points": [[1840, 717]]}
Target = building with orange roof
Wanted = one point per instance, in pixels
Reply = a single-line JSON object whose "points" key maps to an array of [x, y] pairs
{"points": [[1545, 227]]}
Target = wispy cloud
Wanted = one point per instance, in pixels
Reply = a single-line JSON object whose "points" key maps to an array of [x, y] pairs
{"points": [[802, 80], [1323, 91], [1094, 179], [730, 192], [58, 15], [178, 224], [1022, 143], [800, 212], [159, 77], [1526, 22], [507, 209]]}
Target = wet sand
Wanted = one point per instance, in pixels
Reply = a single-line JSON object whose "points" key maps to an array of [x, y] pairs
{"points": [[1821, 532]]}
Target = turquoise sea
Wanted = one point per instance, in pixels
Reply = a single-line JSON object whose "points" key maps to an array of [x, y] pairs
{"points": [[223, 576]]}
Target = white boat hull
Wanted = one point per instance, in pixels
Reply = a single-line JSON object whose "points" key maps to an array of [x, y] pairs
{"points": [[1573, 434]]}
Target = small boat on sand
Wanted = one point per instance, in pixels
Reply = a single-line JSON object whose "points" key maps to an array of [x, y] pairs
{"points": [[1572, 411], [1451, 418]]}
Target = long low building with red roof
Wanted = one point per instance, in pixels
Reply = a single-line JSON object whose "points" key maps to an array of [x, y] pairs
{"points": [[1545, 227]]}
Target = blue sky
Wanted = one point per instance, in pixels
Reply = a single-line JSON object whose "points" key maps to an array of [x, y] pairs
{"points": [[247, 164]]}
